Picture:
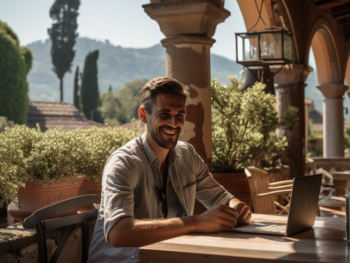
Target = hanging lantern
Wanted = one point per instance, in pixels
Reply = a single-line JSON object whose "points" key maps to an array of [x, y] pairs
{"points": [[264, 48]]}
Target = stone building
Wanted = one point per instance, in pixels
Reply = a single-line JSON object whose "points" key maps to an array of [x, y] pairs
{"points": [[189, 27]]}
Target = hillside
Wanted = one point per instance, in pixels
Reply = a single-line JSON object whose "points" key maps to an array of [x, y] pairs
{"points": [[118, 65]]}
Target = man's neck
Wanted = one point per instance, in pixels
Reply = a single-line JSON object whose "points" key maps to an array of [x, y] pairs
{"points": [[160, 152]]}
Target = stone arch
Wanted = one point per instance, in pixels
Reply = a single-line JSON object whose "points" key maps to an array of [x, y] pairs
{"points": [[326, 54], [279, 17], [347, 70]]}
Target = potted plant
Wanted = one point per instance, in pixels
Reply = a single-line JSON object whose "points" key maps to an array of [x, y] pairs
{"points": [[99, 144], [243, 133], [37, 169]]}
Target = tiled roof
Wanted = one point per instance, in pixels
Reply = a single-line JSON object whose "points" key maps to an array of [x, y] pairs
{"points": [[309, 101], [57, 114]]}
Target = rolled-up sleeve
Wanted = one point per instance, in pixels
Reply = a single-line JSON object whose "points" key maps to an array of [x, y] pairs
{"points": [[119, 182], [209, 192]]}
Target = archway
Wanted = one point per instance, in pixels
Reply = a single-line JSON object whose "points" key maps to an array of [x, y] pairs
{"points": [[331, 85]]}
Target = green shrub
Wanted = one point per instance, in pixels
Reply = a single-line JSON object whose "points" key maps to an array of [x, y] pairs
{"points": [[27, 154], [15, 63], [243, 126]]}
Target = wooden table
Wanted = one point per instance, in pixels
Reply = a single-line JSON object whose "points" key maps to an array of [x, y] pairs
{"points": [[323, 243]]}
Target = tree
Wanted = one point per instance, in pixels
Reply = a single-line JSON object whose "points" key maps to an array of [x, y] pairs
{"points": [[76, 89], [122, 106], [111, 108], [89, 86], [15, 63], [63, 36]]}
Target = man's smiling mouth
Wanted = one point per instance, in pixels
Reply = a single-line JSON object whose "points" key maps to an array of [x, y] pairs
{"points": [[171, 132]]}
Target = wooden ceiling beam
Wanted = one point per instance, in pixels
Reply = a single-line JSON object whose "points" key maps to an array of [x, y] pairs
{"points": [[341, 11], [339, 17], [326, 4]]}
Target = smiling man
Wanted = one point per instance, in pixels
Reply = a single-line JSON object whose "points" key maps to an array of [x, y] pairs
{"points": [[149, 186]]}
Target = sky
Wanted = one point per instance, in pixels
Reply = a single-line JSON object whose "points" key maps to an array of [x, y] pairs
{"points": [[122, 22]]}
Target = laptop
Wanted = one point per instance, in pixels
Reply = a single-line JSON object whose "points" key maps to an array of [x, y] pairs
{"points": [[302, 213]]}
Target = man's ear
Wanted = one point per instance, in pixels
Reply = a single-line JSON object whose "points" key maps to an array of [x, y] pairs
{"points": [[143, 115]]}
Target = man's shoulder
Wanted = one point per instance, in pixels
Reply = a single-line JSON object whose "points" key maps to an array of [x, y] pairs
{"points": [[184, 148], [130, 151]]}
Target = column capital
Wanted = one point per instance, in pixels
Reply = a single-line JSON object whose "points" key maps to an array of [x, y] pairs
{"points": [[187, 39], [332, 90], [194, 17], [291, 75]]}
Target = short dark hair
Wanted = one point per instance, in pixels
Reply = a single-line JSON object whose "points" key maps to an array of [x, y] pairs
{"points": [[161, 85]]}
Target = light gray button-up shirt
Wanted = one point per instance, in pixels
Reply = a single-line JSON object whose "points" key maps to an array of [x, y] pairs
{"points": [[129, 189]]}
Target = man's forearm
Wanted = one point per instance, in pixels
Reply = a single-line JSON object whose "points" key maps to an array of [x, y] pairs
{"points": [[129, 232]]}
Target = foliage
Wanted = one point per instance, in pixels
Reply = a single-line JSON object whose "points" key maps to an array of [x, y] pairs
{"points": [[76, 89], [290, 119], [15, 63], [99, 144], [121, 106], [89, 85], [27, 154], [4, 123], [243, 126], [63, 36]]}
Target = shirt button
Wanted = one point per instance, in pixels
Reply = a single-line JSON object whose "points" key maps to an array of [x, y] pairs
{"points": [[132, 256]]}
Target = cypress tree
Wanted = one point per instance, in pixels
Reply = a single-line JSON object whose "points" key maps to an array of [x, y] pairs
{"points": [[15, 63], [63, 36], [76, 90], [89, 86]]}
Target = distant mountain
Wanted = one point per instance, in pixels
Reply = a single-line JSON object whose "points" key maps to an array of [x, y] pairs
{"points": [[117, 65]]}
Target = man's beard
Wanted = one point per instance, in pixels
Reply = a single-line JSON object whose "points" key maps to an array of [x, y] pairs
{"points": [[156, 136]]}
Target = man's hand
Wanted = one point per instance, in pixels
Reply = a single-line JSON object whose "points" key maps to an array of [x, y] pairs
{"points": [[219, 218], [242, 210]]}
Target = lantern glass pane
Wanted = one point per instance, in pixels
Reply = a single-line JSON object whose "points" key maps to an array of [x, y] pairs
{"points": [[271, 46], [248, 48], [287, 39], [251, 48]]}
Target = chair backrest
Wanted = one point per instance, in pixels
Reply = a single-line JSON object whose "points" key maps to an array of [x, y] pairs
{"points": [[38, 220], [258, 184]]}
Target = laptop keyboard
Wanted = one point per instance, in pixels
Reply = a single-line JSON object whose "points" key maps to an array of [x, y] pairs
{"points": [[271, 228]]}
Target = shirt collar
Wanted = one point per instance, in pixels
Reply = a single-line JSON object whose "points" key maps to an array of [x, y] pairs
{"points": [[151, 156]]}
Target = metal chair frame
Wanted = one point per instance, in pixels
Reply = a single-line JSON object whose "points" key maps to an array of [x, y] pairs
{"points": [[38, 220]]}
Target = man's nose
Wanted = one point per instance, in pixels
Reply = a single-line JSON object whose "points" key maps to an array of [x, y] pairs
{"points": [[173, 121]]}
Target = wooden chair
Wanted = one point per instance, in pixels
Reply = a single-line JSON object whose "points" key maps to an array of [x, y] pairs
{"points": [[263, 192], [68, 222]]}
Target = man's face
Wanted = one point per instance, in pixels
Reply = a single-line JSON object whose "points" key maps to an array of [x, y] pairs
{"points": [[167, 120]]}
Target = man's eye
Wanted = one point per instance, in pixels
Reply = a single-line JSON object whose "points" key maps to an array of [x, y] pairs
{"points": [[180, 116], [164, 115]]}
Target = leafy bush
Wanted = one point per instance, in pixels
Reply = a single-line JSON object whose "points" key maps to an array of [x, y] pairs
{"points": [[27, 154], [99, 144], [243, 126]]}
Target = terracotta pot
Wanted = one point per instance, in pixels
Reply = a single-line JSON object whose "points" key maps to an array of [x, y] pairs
{"points": [[34, 196], [234, 183], [89, 187]]}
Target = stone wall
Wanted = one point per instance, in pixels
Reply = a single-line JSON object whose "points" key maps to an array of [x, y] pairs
{"points": [[18, 245]]}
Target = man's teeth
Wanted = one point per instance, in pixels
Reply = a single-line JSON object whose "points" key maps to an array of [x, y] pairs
{"points": [[169, 132]]}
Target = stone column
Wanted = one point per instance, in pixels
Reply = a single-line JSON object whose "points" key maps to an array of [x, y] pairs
{"points": [[188, 27], [290, 84], [333, 119]]}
